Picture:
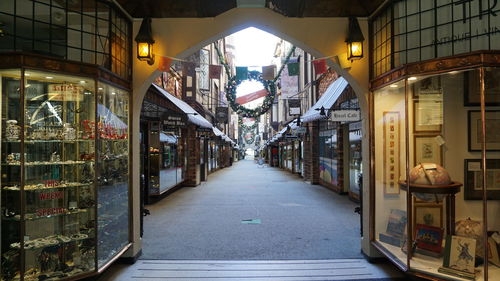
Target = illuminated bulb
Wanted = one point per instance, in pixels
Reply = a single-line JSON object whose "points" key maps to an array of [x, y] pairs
{"points": [[83, 82], [49, 77], [412, 78], [394, 86], [27, 74], [113, 93]]}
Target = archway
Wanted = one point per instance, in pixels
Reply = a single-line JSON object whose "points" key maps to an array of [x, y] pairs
{"points": [[180, 37]]}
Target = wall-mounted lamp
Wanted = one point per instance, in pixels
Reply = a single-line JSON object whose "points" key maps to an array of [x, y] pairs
{"points": [[354, 40], [145, 42]]}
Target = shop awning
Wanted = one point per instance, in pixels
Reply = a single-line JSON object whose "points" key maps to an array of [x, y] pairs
{"points": [[217, 132], [168, 138], [327, 100], [193, 116]]}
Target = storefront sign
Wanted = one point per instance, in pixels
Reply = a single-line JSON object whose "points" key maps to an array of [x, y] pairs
{"points": [[173, 120], [345, 115], [65, 92], [301, 130], [293, 107], [221, 113], [355, 126]]}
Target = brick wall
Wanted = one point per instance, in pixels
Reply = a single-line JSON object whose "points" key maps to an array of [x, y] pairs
{"points": [[193, 157]]}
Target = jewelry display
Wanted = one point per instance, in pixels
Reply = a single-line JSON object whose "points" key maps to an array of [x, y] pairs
{"points": [[12, 131]]}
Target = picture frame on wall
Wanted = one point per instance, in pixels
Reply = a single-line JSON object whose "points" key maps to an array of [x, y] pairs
{"points": [[473, 179], [430, 214], [492, 129], [427, 150], [491, 87], [391, 151], [427, 116], [428, 88]]}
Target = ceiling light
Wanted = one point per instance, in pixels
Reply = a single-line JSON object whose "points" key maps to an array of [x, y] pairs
{"points": [[49, 77], [393, 86], [412, 78], [27, 74], [113, 93], [83, 82], [100, 89]]}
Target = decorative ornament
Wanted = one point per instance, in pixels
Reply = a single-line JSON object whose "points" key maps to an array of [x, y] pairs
{"points": [[233, 84]]}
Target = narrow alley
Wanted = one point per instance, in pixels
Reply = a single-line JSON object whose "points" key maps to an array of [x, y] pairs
{"points": [[250, 221]]}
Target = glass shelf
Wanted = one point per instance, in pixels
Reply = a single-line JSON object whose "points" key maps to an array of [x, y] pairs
{"points": [[32, 216], [43, 187]]}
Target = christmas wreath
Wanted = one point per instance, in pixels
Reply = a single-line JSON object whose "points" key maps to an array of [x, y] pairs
{"points": [[233, 84], [246, 128]]}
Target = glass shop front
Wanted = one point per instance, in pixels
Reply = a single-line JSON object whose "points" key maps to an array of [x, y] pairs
{"points": [[64, 174]]}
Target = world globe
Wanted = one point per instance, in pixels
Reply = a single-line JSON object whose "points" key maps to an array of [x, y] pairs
{"points": [[429, 174]]}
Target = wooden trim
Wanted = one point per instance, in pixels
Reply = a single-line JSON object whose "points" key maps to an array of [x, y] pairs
{"points": [[439, 65], [51, 64], [390, 256]]}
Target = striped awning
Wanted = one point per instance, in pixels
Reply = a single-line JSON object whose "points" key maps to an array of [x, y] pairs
{"points": [[327, 100]]}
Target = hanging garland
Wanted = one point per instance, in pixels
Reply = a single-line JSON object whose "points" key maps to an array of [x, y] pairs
{"points": [[269, 85], [246, 128], [233, 84]]}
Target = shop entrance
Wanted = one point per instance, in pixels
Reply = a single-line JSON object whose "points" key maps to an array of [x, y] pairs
{"points": [[241, 20]]}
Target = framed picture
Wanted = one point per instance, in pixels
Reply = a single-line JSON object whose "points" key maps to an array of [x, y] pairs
{"points": [[473, 177], [428, 89], [427, 150], [460, 253], [427, 115], [491, 87], [396, 225], [429, 238], [492, 130], [430, 214], [391, 146]]}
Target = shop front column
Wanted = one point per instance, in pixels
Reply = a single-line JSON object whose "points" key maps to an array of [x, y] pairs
{"points": [[193, 157], [311, 154]]}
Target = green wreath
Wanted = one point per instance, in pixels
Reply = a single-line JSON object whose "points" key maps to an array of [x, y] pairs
{"points": [[246, 128], [233, 83]]}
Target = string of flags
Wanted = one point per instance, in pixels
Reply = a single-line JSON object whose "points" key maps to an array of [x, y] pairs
{"points": [[214, 70]]}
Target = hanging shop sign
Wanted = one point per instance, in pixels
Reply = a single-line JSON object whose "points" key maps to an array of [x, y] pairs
{"points": [[173, 121], [354, 126], [221, 114], [293, 107], [345, 115], [301, 130]]}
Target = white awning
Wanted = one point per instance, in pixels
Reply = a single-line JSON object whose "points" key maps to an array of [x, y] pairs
{"points": [[193, 116], [168, 138], [327, 100], [217, 132]]}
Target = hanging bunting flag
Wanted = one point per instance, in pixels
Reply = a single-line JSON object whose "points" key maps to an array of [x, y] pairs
{"points": [[164, 64], [214, 71], [293, 69], [241, 73], [188, 69], [269, 72], [319, 66]]}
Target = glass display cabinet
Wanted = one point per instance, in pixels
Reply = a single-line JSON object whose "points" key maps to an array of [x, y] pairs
{"points": [[64, 175], [435, 192]]}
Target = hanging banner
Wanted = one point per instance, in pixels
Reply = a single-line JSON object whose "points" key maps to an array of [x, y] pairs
{"points": [[241, 73], [269, 72], [319, 66], [164, 64], [252, 96], [289, 84]]}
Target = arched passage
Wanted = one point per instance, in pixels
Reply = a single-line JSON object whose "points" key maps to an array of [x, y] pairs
{"points": [[180, 37]]}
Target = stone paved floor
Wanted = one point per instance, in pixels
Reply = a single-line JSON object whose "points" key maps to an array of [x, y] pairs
{"points": [[297, 220], [299, 232]]}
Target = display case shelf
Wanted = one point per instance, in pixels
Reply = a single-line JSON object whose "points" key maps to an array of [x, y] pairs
{"points": [[41, 187], [33, 216], [48, 163], [50, 241]]}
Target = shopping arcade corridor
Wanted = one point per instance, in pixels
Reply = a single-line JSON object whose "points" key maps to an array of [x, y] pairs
{"points": [[305, 231]]}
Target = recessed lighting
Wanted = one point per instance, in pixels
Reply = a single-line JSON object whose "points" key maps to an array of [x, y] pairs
{"points": [[83, 82], [393, 86], [27, 74], [113, 93], [87, 93], [49, 77], [100, 89], [412, 78], [454, 72]]}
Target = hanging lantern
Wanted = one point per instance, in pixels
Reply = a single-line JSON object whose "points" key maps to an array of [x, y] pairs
{"points": [[145, 42], [354, 40]]}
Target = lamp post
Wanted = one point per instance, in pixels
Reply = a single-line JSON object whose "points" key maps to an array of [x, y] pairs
{"points": [[354, 40], [145, 42]]}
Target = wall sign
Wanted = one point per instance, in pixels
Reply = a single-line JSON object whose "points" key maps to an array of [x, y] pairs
{"points": [[345, 115]]}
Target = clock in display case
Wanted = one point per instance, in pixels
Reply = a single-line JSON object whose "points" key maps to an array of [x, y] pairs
{"points": [[64, 175]]}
